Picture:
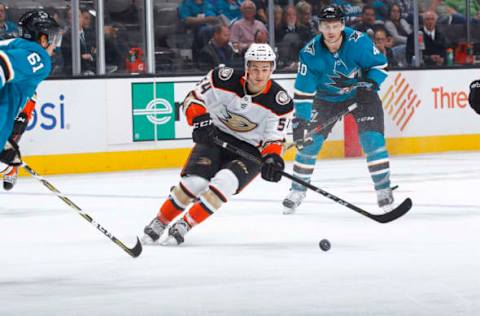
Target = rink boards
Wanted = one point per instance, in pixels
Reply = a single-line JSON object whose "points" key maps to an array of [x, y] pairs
{"points": [[92, 125]]}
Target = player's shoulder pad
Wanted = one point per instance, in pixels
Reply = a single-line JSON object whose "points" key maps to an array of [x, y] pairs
{"points": [[276, 99], [227, 78], [311, 48], [356, 37]]}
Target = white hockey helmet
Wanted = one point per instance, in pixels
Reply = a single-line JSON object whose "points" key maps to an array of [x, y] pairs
{"points": [[260, 52]]}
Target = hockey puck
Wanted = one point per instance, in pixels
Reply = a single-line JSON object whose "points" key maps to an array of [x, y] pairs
{"points": [[324, 244]]}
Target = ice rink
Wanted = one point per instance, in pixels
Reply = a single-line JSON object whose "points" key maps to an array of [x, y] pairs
{"points": [[249, 259]]}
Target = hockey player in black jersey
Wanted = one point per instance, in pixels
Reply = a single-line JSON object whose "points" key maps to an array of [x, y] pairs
{"points": [[246, 109], [474, 96]]}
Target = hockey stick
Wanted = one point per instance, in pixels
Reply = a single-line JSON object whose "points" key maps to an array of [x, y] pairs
{"points": [[134, 252], [328, 122], [397, 212]]}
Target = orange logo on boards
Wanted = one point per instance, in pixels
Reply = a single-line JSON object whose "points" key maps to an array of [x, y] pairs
{"points": [[400, 102]]}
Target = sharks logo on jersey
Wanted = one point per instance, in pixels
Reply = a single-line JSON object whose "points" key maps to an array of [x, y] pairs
{"points": [[355, 36], [310, 48], [344, 83]]}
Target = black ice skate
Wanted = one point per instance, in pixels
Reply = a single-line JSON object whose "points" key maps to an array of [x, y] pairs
{"points": [[153, 231], [10, 178], [176, 233]]}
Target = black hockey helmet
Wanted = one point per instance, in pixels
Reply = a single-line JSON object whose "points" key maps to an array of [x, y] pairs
{"points": [[331, 13], [474, 96], [33, 24]]}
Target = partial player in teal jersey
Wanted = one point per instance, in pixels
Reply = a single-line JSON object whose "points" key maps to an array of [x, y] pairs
{"points": [[339, 67], [24, 63]]}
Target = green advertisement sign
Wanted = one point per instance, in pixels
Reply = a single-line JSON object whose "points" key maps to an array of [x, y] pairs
{"points": [[153, 111]]}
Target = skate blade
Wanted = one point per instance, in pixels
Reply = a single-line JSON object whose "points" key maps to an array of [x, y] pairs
{"points": [[169, 242], [148, 241], [288, 211]]}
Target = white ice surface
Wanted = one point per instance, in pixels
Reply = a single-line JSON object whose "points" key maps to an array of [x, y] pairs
{"points": [[249, 259]]}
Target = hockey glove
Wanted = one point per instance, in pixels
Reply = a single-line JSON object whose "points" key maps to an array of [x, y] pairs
{"points": [[20, 125], [203, 129], [300, 130], [365, 91], [474, 96], [11, 154], [271, 167]]}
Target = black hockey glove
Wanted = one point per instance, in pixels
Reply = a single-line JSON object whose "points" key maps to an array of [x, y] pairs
{"points": [[300, 129], [11, 154], [271, 167], [365, 91], [474, 96], [203, 129]]}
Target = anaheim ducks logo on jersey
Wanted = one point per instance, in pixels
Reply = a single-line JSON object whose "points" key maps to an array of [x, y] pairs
{"points": [[225, 73], [238, 123], [282, 98]]}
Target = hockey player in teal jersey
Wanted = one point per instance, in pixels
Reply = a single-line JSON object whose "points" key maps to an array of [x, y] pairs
{"points": [[339, 67], [24, 63]]}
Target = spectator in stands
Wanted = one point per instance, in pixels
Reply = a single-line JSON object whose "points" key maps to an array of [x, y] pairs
{"points": [[114, 55], [278, 22], [380, 7], [460, 7], [227, 10], [367, 23], [289, 21], [352, 10], [87, 46], [380, 40], [261, 37], [445, 13], [291, 43], [243, 31], [305, 27], [8, 29], [261, 11], [58, 64], [476, 18], [396, 26], [192, 15], [406, 9], [131, 14], [217, 51], [435, 47]]}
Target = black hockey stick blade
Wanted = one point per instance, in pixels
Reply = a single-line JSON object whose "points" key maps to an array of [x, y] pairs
{"points": [[397, 212], [135, 251]]}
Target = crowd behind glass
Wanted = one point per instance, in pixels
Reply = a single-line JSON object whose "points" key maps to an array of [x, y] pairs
{"points": [[192, 36]]}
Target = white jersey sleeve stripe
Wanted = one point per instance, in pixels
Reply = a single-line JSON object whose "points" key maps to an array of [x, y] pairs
{"points": [[302, 93], [8, 64]]}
